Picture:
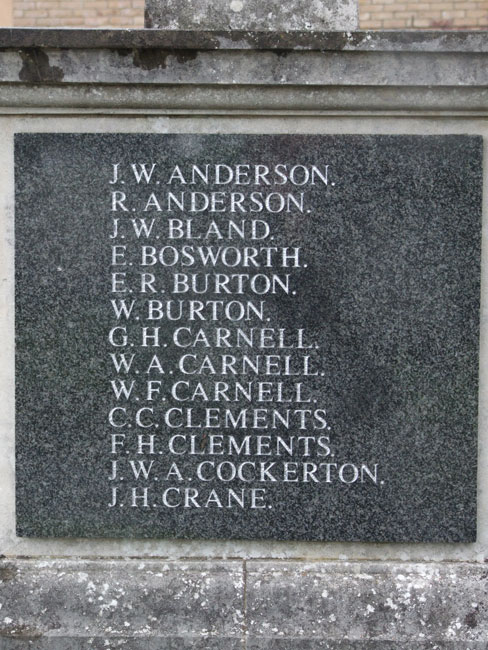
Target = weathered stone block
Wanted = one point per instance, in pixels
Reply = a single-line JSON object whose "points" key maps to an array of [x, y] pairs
{"points": [[226, 605], [321, 15], [58, 604], [339, 606]]}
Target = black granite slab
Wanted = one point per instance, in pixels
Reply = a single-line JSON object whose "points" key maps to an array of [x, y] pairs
{"points": [[319, 380]]}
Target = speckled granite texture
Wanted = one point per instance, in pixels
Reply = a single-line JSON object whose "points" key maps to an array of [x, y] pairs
{"points": [[387, 288]]}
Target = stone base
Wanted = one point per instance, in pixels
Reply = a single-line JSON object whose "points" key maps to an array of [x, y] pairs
{"points": [[278, 605]]}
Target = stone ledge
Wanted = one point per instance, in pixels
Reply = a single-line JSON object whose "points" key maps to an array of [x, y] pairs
{"points": [[89, 99], [241, 68], [277, 605], [335, 61], [357, 41]]}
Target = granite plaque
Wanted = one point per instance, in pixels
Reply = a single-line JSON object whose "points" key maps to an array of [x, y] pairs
{"points": [[241, 336]]}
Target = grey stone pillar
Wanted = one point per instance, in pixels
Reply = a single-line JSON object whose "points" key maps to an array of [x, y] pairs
{"points": [[259, 15]]}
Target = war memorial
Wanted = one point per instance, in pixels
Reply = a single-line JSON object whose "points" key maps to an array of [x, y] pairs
{"points": [[244, 354]]}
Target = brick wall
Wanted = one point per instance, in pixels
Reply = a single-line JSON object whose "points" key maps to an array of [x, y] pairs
{"points": [[374, 14], [424, 14], [6, 13], [78, 13]]}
